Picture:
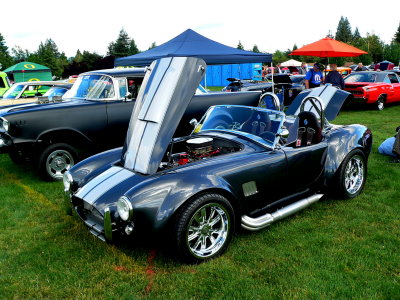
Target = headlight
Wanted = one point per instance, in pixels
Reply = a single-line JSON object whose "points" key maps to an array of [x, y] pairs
{"points": [[67, 180], [125, 209], [5, 124]]}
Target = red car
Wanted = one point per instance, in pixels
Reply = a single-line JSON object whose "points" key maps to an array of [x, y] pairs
{"points": [[375, 88]]}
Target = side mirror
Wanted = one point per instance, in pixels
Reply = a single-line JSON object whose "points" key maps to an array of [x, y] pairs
{"points": [[193, 122]]}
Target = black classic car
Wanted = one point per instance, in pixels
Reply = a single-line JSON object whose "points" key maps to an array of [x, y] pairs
{"points": [[286, 86], [93, 117], [241, 165]]}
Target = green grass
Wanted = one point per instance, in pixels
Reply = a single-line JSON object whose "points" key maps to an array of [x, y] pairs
{"points": [[335, 249]]}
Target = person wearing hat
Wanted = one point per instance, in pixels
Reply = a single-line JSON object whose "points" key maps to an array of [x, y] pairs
{"points": [[314, 77]]}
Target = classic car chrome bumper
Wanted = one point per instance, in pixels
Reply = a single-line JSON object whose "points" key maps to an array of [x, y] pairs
{"points": [[102, 231], [5, 142]]}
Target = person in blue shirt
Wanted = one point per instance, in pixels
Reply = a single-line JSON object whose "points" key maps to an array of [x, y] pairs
{"points": [[334, 77], [391, 146], [314, 77]]}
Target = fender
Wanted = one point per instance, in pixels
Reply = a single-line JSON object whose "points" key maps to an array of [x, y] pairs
{"points": [[71, 133], [155, 202], [342, 140]]}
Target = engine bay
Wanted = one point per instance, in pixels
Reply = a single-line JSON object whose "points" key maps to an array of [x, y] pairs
{"points": [[186, 150]]}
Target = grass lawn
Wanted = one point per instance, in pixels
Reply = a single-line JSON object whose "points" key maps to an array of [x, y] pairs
{"points": [[335, 249]]}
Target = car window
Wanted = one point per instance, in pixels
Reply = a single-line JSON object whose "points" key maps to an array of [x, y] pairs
{"points": [[2, 83], [123, 87], [361, 77], [92, 87], [393, 78], [386, 79], [55, 91], [13, 91], [262, 124]]}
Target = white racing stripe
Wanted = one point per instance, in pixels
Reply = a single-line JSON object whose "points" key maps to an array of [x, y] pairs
{"points": [[102, 183]]}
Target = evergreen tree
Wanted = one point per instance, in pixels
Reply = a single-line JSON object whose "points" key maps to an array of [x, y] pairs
{"points": [[255, 49], [396, 37], [5, 58], [153, 45], [49, 56], [343, 31], [240, 46], [133, 49], [123, 46], [19, 54], [78, 57]]}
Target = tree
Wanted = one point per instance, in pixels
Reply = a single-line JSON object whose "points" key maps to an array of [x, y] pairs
{"points": [[396, 37], [153, 45], [123, 46], [343, 31], [255, 49], [5, 58], [240, 46], [48, 55], [19, 54]]}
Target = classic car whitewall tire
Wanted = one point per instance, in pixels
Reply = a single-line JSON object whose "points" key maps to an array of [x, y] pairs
{"points": [[204, 227], [380, 103], [352, 175], [55, 160]]}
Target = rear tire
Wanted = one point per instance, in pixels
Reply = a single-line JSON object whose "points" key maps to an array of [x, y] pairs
{"points": [[351, 175], [380, 103], [204, 227], [55, 160]]}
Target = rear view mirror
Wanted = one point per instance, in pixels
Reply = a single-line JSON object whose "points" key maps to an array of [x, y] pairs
{"points": [[193, 122], [284, 133]]}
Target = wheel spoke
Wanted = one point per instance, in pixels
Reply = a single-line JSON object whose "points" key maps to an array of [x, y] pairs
{"points": [[193, 236], [214, 221]]}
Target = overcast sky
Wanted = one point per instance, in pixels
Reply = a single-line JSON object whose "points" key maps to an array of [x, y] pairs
{"points": [[271, 25]]}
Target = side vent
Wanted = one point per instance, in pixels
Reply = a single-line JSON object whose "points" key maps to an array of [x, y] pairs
{"points": [[249, 188]]}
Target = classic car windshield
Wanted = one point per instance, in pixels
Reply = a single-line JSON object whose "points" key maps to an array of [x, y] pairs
{"points": [[55, 91], [92, 87], [13, 91], [360, 77], [263, 124]]}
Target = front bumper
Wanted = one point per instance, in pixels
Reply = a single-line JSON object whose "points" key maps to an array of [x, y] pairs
{"points": [[100, 225]]}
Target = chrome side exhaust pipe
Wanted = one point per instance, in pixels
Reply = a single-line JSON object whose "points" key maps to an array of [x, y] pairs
{"points": [[254, 224]]}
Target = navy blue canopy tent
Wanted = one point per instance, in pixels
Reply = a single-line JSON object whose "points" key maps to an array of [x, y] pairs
{"points": [[190, 43]]}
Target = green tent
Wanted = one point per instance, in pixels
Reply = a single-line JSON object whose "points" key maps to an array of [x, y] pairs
{"points": [[28, 71]]}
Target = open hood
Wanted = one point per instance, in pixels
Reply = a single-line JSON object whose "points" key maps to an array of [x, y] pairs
{"points": [[166, 91], [332, 98]]}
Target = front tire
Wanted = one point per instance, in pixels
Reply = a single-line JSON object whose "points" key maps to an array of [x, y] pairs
{"points": [[55, 160], [352, 175], [204, 227]]}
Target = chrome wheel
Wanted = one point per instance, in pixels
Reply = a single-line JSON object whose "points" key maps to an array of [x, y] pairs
{"points": [[380, 103], [58, 162], [208, 230], [354, 174]]}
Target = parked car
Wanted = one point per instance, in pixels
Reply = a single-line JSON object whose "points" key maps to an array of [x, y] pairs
{"points": [[31, 91], [374, 88], [93, 117], [241, 166], [286, 86], [344, 71], [4, 83]]}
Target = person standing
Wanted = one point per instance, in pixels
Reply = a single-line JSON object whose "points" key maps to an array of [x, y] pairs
{"points": [[277, 69], [334, 77], [360, 67], [314, 77], [303, 69]]}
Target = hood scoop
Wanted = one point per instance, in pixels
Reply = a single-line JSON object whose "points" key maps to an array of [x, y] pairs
{"points": [[167, 89]]}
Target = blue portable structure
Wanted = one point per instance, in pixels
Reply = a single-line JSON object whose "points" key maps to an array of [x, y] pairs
{"points": [[217, 75], [191, 44]]}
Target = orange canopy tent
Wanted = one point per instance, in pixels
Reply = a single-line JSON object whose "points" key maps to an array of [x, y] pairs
{"points": [[328, 47]]}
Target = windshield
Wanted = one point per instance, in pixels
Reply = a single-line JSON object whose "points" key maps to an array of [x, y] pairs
{"points": [[94, 87], [13, 92], [262, 124], [55, 91], [360, 77]]}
